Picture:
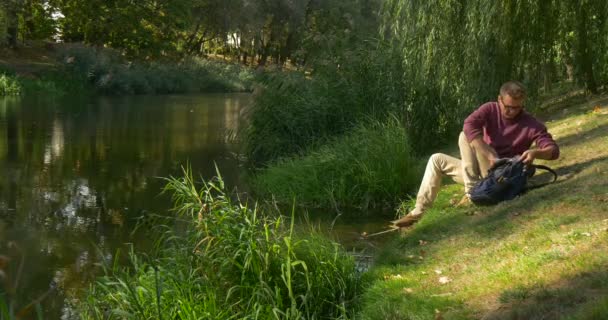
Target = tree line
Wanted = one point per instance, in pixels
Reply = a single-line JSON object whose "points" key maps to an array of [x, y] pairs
{"points": [[253, 31], [468, 47]]}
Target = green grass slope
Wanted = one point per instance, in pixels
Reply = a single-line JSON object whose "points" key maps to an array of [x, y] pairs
{"points": [[541, 256]]}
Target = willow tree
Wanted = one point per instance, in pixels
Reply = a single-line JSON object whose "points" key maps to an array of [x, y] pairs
{"points": [[466, 48]]}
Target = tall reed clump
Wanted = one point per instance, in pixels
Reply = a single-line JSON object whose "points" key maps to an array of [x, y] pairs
{"points": [[295, 111], [111, 73], [369, 166], [9, 86], [234, 262]]}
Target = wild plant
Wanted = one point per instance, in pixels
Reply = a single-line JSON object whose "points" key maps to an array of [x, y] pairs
{"points": [[9, 86], [11, 272], [370, 166], [233, 262]]}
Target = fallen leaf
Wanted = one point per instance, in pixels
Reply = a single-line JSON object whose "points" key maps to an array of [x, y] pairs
{"points": [[438, 315], [411, 256], [408, 290], [437, 271], [444, 280], [586, 234], [422, 242]]}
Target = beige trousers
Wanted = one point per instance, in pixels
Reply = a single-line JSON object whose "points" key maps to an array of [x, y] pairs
{"points": [[467, 171]]}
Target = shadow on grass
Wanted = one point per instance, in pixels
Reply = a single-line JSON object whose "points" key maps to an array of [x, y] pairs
{"points": [[572, 186], [579, 297], [496, 222], [575, 138]]}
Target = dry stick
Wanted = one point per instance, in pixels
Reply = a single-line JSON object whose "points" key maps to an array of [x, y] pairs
{"points": [[381, 232]]}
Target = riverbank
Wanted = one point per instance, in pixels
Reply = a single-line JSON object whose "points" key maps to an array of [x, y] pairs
{"points": [[537, 257], [59, 69]]}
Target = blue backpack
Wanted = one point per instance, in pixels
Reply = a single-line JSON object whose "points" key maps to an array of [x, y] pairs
{"points": [[506, 180]]}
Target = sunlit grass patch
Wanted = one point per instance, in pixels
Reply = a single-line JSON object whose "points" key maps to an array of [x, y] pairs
{"points": [[539, 256]]}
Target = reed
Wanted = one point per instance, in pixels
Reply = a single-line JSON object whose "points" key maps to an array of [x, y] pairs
{"points": [[235, 262], [373, 165]]}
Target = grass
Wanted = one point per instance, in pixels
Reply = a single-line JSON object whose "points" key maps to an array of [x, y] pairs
{"points": [[234, 262], [354, 170], [541, 256]]}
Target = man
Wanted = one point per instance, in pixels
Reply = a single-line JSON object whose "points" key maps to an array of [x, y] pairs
{"points": [[500, 129]]}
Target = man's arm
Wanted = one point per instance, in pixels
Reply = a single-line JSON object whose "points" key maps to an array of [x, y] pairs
{"points": [[546, 153], [484, 149], [547, 148]]}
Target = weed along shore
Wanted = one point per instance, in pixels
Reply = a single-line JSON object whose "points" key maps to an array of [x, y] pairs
{"points": [[234, 261]]}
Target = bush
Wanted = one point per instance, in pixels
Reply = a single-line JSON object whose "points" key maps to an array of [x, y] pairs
{"points": [[295, 112], [9, 86], [235, 262], [110, 73], [371, 165]]}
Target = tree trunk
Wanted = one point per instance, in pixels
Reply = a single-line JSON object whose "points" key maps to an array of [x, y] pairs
{"points": [[12, 20], [584, 51]]}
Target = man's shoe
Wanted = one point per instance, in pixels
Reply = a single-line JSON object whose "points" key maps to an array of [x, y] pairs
{"points": [[464, 202], [406, 221]]}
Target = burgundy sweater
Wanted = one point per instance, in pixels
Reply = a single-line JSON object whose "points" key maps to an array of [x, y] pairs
{"points": [[509, 137]]}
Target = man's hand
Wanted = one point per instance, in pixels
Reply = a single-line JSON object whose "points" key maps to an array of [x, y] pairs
{"points": [[528, 156]]}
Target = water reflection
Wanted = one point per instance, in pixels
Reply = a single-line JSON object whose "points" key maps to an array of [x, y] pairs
{"points": [[77, 172]]}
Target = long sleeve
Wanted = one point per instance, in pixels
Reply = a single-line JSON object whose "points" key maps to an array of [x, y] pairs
{"points": [[474, 123]]}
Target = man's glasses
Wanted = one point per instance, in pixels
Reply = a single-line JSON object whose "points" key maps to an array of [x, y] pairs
{"points": [[511, 108]]}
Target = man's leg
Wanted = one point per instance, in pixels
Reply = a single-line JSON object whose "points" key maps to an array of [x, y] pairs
{"points": [[474, 166], [439, 164]]}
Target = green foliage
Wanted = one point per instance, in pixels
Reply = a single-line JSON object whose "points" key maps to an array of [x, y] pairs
{"points": [[466, 49], [372, 164], [233, 263], [108, 72], [9, 86], [295, 112]]}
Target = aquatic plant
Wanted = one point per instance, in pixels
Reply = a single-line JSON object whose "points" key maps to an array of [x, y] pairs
{"points": [[234, 262]]}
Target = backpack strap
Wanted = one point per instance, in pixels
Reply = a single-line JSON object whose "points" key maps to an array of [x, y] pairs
{"points": [[542, 167]]}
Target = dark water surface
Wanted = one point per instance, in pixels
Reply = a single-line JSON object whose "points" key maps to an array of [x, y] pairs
{"points": [[76, 173]]}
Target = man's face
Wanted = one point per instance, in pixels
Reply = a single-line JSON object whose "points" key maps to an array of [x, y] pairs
{"points": [[509, 106]]}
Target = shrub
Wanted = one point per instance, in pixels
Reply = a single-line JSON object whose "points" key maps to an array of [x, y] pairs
{"points": [[295, 111], [234, 262], [9, 86], [371, 165], [110, 73]]}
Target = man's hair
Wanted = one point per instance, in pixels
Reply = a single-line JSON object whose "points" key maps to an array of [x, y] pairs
{"points": [[515, 89]]}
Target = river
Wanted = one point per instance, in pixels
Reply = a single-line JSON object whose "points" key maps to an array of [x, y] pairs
{"points": [[78, 172]]}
